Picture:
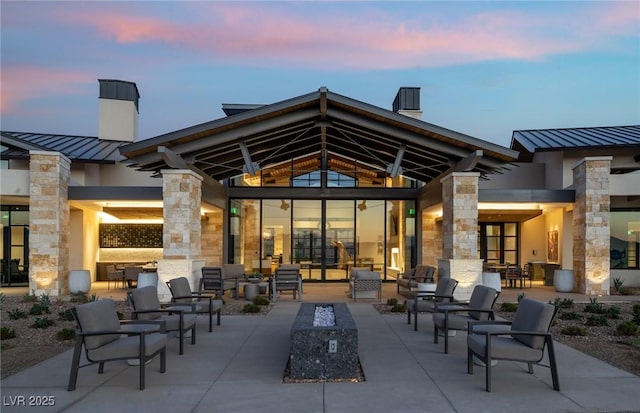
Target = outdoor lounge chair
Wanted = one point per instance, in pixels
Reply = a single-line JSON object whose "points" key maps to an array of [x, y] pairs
{"points": [[426, 301], [221, 279], [105, 338], [196, 302], [286, 279], [146, 306], [456, 316], [365, 284], [115, 275], [525, 341]]}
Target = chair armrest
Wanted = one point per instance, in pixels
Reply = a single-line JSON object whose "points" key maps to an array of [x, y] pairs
{"points": [[160, 310], [447, 311], [160, 323], [479, 323]]}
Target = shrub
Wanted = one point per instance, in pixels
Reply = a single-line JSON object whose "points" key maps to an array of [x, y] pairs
{"points": [[29, 297], [261, 300], [251, 308], [594, 307], [627, 328], [617, 284], [79, 297], [17, 314], [392, 301], [571, 315], [520, 297], [573, 331], [612, 312], [564, 303], [93, 297], [1, 299], [398, 308], [626, 291], [596, 321], [43, 322], [120, 315], [39, 309], [66, 334], [66, 315], [509, 307], [45, 301], [7, 333]]}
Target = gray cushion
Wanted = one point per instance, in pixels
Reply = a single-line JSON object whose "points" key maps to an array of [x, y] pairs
{"points": [[445, 287], [356, 270], [144, 299], [532, 315], [456, 321], [98, 315], [481, 298], [180, 288], [503, 348], [367, 275], [128, 347]]}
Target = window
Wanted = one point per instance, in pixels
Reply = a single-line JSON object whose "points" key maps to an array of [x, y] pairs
{"points": [[625, 239]]}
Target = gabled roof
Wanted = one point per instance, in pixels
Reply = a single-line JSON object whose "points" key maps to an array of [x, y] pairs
{"points": [[539, 140], [313, 124], [76, 148]]}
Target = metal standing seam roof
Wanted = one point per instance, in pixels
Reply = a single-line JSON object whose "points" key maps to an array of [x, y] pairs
{"points": [[76, 148], [319, 122], [538, 140]]}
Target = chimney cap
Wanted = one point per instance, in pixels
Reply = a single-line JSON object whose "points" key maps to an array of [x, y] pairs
{"points": [[119, 90], [408, 98]]}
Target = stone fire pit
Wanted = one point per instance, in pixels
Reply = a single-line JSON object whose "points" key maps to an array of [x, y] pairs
{"points": [[324, 352]]}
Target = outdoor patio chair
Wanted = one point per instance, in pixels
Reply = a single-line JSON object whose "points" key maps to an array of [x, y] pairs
{"points": [[512, 274], [365, 284], [115, 275], [286, 279], [131, 274], [195, 302], [525, 341], [217, 279], [146, 306], [426, 301], [105, 338], [456, 316]]}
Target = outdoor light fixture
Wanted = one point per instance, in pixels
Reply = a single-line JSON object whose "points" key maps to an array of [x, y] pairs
{"points": [[284, 205], [362, 205]]}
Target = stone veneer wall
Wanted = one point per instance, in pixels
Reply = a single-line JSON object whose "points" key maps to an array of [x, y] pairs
{"points": [[48, 223], [460, 232], [182, 194], [591, 226], [212, 242], [431, 240]]}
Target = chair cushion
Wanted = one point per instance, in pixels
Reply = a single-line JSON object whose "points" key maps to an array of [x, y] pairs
{"points": [[172, 322], [356, 270], [420, 273], [128, 347], [98, 315], [422, 305], [180, 288], [456, 321], [481, 298], [233, 270], [503, 348], [144, 299], [367, 275], [532, 315], [445, 287]]}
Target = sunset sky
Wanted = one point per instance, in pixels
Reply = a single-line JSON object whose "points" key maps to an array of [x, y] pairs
{"points": [[484, 68]]}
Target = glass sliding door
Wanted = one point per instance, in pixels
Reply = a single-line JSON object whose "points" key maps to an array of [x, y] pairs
{"points": [[340, 239], [370, 244], [307, 237]]}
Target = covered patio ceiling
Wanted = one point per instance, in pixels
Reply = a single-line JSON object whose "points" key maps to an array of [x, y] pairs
{"points": [[307, 128]]}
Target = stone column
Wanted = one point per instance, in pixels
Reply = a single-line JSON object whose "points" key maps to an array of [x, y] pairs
{"points": [[591, 226], [48, 222], [460, 232], [182, 230], [431, 240]]}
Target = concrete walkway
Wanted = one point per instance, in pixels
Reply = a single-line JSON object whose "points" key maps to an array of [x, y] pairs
{"points": [[240, 366]]}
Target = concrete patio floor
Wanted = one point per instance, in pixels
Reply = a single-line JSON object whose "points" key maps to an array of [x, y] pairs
{"points": [[239, 367]]}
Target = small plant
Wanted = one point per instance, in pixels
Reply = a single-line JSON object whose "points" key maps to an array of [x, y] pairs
{"points": [[39, 309], [7, 333], [564, 303], [627, 328], [251, 308], [66, 315], [571, 315], [612, 312], [636, 313], [626, 291], [120, 315], [43, 322], [509, 307], [261, 300], [45, 301], [66, 334], [93, 297], [398, 308], [594, 307], [79, 297], [520, 297], [596, 321], [392, 301], [617, 284], [29, 297], [256, 275], [17, 314], [573, 331]]}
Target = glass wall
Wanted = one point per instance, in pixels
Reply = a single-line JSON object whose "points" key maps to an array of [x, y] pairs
{"points": [[14, 245], [625, 239], [499, 242]]}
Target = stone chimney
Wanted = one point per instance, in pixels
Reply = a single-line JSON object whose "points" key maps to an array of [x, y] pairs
{"points": [[407, 102], [118, 110]]}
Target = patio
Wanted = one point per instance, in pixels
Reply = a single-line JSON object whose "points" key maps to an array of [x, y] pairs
{"points": [[240, 366]]}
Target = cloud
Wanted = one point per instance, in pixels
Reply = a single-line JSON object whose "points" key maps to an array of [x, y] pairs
{"points": [[268, 35], [22, 82]]}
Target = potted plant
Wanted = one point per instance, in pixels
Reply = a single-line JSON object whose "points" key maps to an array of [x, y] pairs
{"points": [[255, 277]]}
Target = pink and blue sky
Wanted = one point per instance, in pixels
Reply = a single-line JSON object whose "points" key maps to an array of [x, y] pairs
{"points": [[484, 68]]}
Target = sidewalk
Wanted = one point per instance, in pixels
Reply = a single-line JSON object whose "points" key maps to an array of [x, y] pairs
{"points": [[239, 368]]}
